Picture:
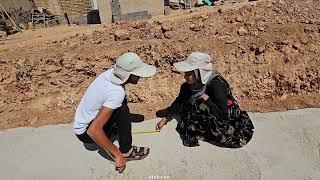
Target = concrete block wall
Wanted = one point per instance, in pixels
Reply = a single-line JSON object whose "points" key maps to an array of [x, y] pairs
{"points": [[154, 7], [134, 16], [129, 9], [116, 10]]}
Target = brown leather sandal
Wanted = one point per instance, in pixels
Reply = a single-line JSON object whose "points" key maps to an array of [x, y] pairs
{"points": [[138, 153]]}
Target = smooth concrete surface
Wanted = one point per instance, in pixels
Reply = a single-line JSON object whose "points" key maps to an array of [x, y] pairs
{"points": [[285, 146]]}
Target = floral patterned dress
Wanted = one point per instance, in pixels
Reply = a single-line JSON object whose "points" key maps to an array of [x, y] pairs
{"points": [[200, 120]]}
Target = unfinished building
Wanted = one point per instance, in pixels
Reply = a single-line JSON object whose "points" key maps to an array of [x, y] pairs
{"points": [[110, 10]]}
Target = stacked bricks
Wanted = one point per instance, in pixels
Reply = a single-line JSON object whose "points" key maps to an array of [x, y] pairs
{"points": [[71, 7], [75, 7], [134, 16], [116, 10]]}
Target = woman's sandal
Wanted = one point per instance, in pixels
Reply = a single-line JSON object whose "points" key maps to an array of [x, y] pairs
{"points": [[138, 153]]}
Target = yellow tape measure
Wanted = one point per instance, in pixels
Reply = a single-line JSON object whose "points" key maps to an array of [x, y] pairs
{"points": [[145, 131]]}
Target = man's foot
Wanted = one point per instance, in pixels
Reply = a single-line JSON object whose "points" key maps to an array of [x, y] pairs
{"points": [[136, 153]]}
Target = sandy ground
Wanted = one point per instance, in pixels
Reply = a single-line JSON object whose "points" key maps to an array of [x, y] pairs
{"points": [[286, 145]]}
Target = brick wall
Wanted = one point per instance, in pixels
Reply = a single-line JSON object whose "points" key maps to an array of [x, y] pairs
{"points": [[154, 7], [74, 8], [71, 7]]}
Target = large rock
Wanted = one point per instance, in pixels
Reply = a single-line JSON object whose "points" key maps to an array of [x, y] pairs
{"points": [[239, 19], [242, 31], [121, 35], [197, 27], [308, 30], [168, 35]]}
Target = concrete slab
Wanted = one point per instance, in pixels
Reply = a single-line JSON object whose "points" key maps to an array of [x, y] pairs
{"points": [[286, 145]]}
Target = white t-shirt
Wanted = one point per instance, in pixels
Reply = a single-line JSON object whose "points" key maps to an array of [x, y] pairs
{"points": [[101, 92]]}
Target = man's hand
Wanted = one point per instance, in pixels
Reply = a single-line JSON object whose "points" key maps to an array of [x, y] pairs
{"points": [[161, 123], [204, 97], [97, 134], [120, 163]]}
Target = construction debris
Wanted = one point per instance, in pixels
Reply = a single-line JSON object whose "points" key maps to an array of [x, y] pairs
{"points": [[43, 16], [6, 28]]}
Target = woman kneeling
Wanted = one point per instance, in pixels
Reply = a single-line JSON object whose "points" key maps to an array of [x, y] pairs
{"points": [[206, 107]]}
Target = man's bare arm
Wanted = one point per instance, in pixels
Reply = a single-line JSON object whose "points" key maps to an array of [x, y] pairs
{"points": [[98, 135]]}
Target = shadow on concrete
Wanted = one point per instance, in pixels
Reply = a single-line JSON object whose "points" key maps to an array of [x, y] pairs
{"points": [[136, 118], [163, 113], [102, 152], [91, 146]]}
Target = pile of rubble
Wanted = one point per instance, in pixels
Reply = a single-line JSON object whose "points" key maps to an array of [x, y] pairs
{"points": [[3, 29], [19, 19], [268, 51], [6, 28], [13, 19]]}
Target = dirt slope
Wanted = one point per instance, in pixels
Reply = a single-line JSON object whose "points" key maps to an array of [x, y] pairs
{"points": [[268, 51]]}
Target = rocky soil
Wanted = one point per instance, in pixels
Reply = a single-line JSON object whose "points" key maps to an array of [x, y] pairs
{"points": [[267, 50]]}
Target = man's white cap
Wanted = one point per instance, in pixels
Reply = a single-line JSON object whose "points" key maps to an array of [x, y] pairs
{"points": [[196, 60], [130, 63]]}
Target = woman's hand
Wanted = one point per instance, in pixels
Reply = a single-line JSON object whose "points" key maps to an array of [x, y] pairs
{"points": [[204, 97], [161, 123]]}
